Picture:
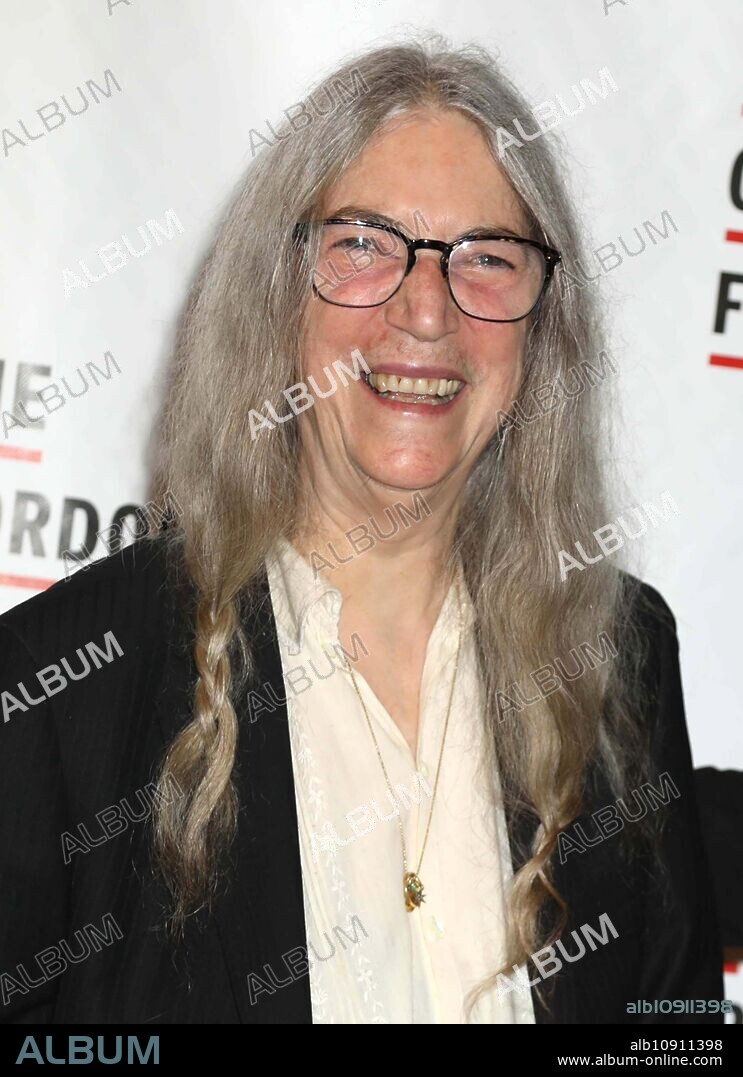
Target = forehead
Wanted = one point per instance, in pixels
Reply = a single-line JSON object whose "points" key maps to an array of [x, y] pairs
{"points": [[434, 164]]}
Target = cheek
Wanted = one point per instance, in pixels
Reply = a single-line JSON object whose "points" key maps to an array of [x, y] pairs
{"points": [[497, 357], [333, 333]]}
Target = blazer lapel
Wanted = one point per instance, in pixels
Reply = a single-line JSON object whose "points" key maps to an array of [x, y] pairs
{"points": [[521, 828], [261, 920], [260, 911]]}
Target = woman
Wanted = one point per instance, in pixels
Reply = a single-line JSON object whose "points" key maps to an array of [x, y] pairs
{"points": [[438, 790]]}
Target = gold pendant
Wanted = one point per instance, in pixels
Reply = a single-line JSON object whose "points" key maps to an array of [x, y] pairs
{"points": [[413, 890]]}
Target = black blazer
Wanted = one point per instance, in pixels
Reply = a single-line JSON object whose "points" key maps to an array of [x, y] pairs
{"points": [[85, 746]]}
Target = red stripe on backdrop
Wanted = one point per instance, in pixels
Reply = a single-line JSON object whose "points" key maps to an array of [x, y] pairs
{"points": [[10, 452], [734, 361], [734, 237], [32, 583]]}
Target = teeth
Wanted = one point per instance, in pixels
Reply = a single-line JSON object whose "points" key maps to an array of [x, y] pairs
{"points": [[391, 383]]}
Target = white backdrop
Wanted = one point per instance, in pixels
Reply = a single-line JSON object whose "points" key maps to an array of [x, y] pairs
{"points": [[174, 90]]}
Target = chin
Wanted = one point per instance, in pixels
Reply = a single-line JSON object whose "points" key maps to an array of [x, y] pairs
{"points": [[406, 475]]}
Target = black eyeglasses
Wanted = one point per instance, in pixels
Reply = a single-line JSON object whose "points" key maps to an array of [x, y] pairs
{"points": [[491, 276]]}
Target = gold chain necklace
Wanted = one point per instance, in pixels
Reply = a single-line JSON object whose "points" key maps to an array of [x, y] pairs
{"points": [[411, 883]]}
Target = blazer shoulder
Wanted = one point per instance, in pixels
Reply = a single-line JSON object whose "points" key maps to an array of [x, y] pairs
{"points": [[645, 633], [650, 612], [134, 590]]}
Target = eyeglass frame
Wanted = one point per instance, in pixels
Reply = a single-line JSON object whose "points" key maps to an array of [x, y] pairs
{"points": [[552, 258]]}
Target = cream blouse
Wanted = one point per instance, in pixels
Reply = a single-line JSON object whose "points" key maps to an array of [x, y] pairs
{"points": [[371, 961]]}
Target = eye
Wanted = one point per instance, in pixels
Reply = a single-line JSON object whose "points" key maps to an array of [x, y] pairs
{"points": [[353, 241], [486, 262], [489, 261], [369, 244], [492, 257]]}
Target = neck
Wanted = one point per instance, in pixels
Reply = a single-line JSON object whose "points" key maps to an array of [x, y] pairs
{"points": [[384, 549]]}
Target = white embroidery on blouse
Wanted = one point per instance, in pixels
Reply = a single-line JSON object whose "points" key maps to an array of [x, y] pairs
{"points": [[315, 797]]}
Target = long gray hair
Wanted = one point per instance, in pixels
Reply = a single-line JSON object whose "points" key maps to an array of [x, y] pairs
{"points": [[535, 490]]}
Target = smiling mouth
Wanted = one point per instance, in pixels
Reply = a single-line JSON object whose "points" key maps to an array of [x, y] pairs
{"points": [[432, 391]]}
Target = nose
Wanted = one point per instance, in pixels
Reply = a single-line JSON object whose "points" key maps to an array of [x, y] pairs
{"points": [[423, 306]]}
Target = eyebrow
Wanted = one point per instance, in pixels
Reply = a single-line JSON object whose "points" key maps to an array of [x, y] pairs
{"points": [[374, 217]]}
